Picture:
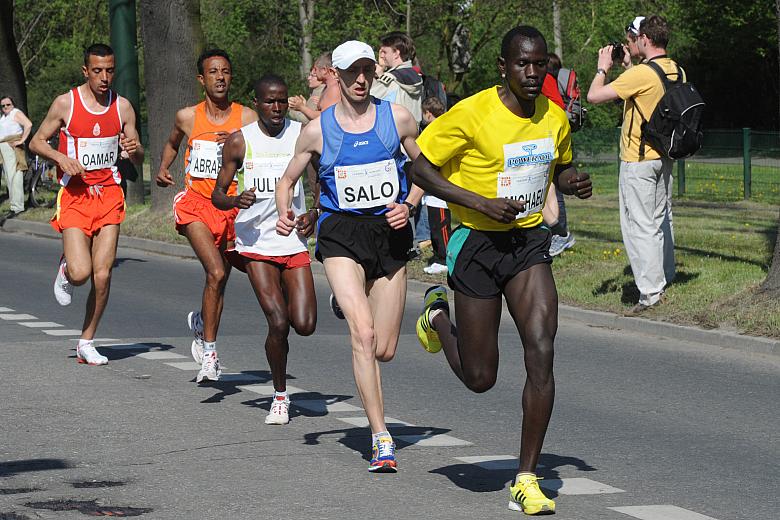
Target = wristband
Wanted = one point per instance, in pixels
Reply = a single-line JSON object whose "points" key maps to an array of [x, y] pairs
{"points": [[412, 208], [601, 71]]}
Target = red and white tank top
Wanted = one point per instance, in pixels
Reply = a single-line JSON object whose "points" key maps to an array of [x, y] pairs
{"points": [[92, 138], [203, 158]]}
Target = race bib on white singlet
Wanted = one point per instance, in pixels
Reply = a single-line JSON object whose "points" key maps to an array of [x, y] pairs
{"points": [[205, 159], [96, 153], [364, 186], [526, 172], [262, 174]]}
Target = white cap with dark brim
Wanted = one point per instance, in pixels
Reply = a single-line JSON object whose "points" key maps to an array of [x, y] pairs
{"points": [[349, 52], [633, 27]]}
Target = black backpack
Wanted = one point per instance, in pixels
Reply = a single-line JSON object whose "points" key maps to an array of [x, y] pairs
{"points": [[432, 87], [674, 127], [570, 92]]}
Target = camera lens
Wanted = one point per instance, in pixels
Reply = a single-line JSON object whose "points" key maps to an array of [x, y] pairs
{"points": [[617, 51]]}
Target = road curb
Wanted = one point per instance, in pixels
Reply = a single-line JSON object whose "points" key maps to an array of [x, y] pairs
{"points": [[726, 339]]}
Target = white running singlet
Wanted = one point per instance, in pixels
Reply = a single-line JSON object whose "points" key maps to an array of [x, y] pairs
{"points": [[265, 160]]}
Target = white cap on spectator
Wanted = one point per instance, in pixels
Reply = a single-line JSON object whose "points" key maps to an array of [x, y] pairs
{"points": [[633, 27], [349, 52]]}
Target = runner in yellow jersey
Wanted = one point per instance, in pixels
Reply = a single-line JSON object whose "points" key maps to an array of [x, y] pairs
{"points": [[492, 157]]}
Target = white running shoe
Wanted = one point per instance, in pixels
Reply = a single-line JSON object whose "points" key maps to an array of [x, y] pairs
{"points": [[280, 411], [435, 268], [559, 244], [209, 369], [89, 355], [195, 322], [63, 289]]}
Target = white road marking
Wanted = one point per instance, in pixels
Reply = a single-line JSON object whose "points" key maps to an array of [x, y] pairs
{"points": [[322, 405], [40, 324], [17, 317], [362, 422], [661, 512], [185, 365], [578, 486], [160, 354], [6, 309], [126, 346], [269, 389], [63, 332], [494, 462], [432, 440]]}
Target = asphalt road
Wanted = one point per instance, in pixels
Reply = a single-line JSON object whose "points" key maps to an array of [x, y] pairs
{"points": [[644, 427]]}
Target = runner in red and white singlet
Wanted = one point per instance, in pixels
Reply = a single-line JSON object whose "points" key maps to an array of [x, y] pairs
{"points": [[209, 230], [97, 127]]}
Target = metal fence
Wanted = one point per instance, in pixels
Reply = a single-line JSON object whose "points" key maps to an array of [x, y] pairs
{"points": [[732, 164]]}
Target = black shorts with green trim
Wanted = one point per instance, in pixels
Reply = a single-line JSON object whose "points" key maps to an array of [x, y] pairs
{"points": [[368, 240], [481, 263]]}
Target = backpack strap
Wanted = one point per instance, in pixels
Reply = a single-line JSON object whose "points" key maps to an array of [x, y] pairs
{"points": [[666, 83]]}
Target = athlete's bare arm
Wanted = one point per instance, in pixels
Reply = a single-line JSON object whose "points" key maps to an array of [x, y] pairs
{"points": [[128, 138], [571, 182], [232, 159], [406, 126], [54, 120], [182, 127], [428, 177], [308, 146]]}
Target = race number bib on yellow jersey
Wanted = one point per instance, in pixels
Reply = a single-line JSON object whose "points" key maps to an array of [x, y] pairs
{"points": [[262, 174], [205, 159], [364, 186], [526, 172], [96, 153]]}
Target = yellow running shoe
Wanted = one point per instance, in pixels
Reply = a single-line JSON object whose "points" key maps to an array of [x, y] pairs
{"points": [[435, 298], [525, 496]]}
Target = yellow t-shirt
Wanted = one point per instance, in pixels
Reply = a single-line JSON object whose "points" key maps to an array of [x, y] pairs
{"points": [[481, 146], [640, 86]]}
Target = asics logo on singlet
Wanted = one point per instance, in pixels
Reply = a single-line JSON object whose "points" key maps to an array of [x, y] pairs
{"points": [[359, 143], [531, 158]]}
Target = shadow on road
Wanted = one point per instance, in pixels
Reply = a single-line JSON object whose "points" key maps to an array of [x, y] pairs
{"points": [[14, 467]]}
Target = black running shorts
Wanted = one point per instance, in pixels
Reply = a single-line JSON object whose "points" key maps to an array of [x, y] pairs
{"points": [[481, 263], [368, 240]]}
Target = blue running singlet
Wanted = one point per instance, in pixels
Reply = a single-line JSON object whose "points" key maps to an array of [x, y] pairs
{"points": [[361, 173]]}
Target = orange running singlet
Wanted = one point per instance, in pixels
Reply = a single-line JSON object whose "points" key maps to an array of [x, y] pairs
{"points": [[204, 156]]}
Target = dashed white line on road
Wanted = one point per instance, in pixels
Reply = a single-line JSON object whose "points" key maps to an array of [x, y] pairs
{"points": [[6, 309], [362, 422], [323, 405], [494, 462], [17, 317], [269, 389], [63, 332], [578, 486], [185, 365], [126, 346], [160, 354], [39, 324], [432, 440], [660, 512]]}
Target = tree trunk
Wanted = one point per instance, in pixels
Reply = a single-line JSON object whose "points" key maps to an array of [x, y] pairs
{"points": [[172, 39], [556, 5], [306, 17], [11, 72], [772, 282]]}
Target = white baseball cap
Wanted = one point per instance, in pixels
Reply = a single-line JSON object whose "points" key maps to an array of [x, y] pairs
{"points": [[349, 52], [633, 27]]}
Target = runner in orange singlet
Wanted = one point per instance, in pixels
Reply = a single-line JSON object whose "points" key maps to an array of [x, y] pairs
{"points": [[209, 230], [96, 125]]}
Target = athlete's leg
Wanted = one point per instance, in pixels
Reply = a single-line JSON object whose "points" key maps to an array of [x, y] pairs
{"points": [[266, 282], [298, 286], [217, 271], [387, 298], [472, 348], [533, 303], [348, 283], [77, 248], [103, 255]]}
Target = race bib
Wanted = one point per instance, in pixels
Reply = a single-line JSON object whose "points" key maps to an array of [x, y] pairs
{"points": [[205, 159], [96, 153], [364, 186], [526, 172], [263, 173]]}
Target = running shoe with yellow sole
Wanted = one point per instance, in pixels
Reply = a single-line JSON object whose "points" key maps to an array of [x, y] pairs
{"points": [[525, 496], [435, 298]]}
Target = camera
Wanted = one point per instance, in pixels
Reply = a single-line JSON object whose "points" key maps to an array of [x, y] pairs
{"points": [[618, 52]]}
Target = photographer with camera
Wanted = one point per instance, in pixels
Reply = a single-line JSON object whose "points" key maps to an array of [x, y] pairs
{"points": [[625, 53], [645, 182]]}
